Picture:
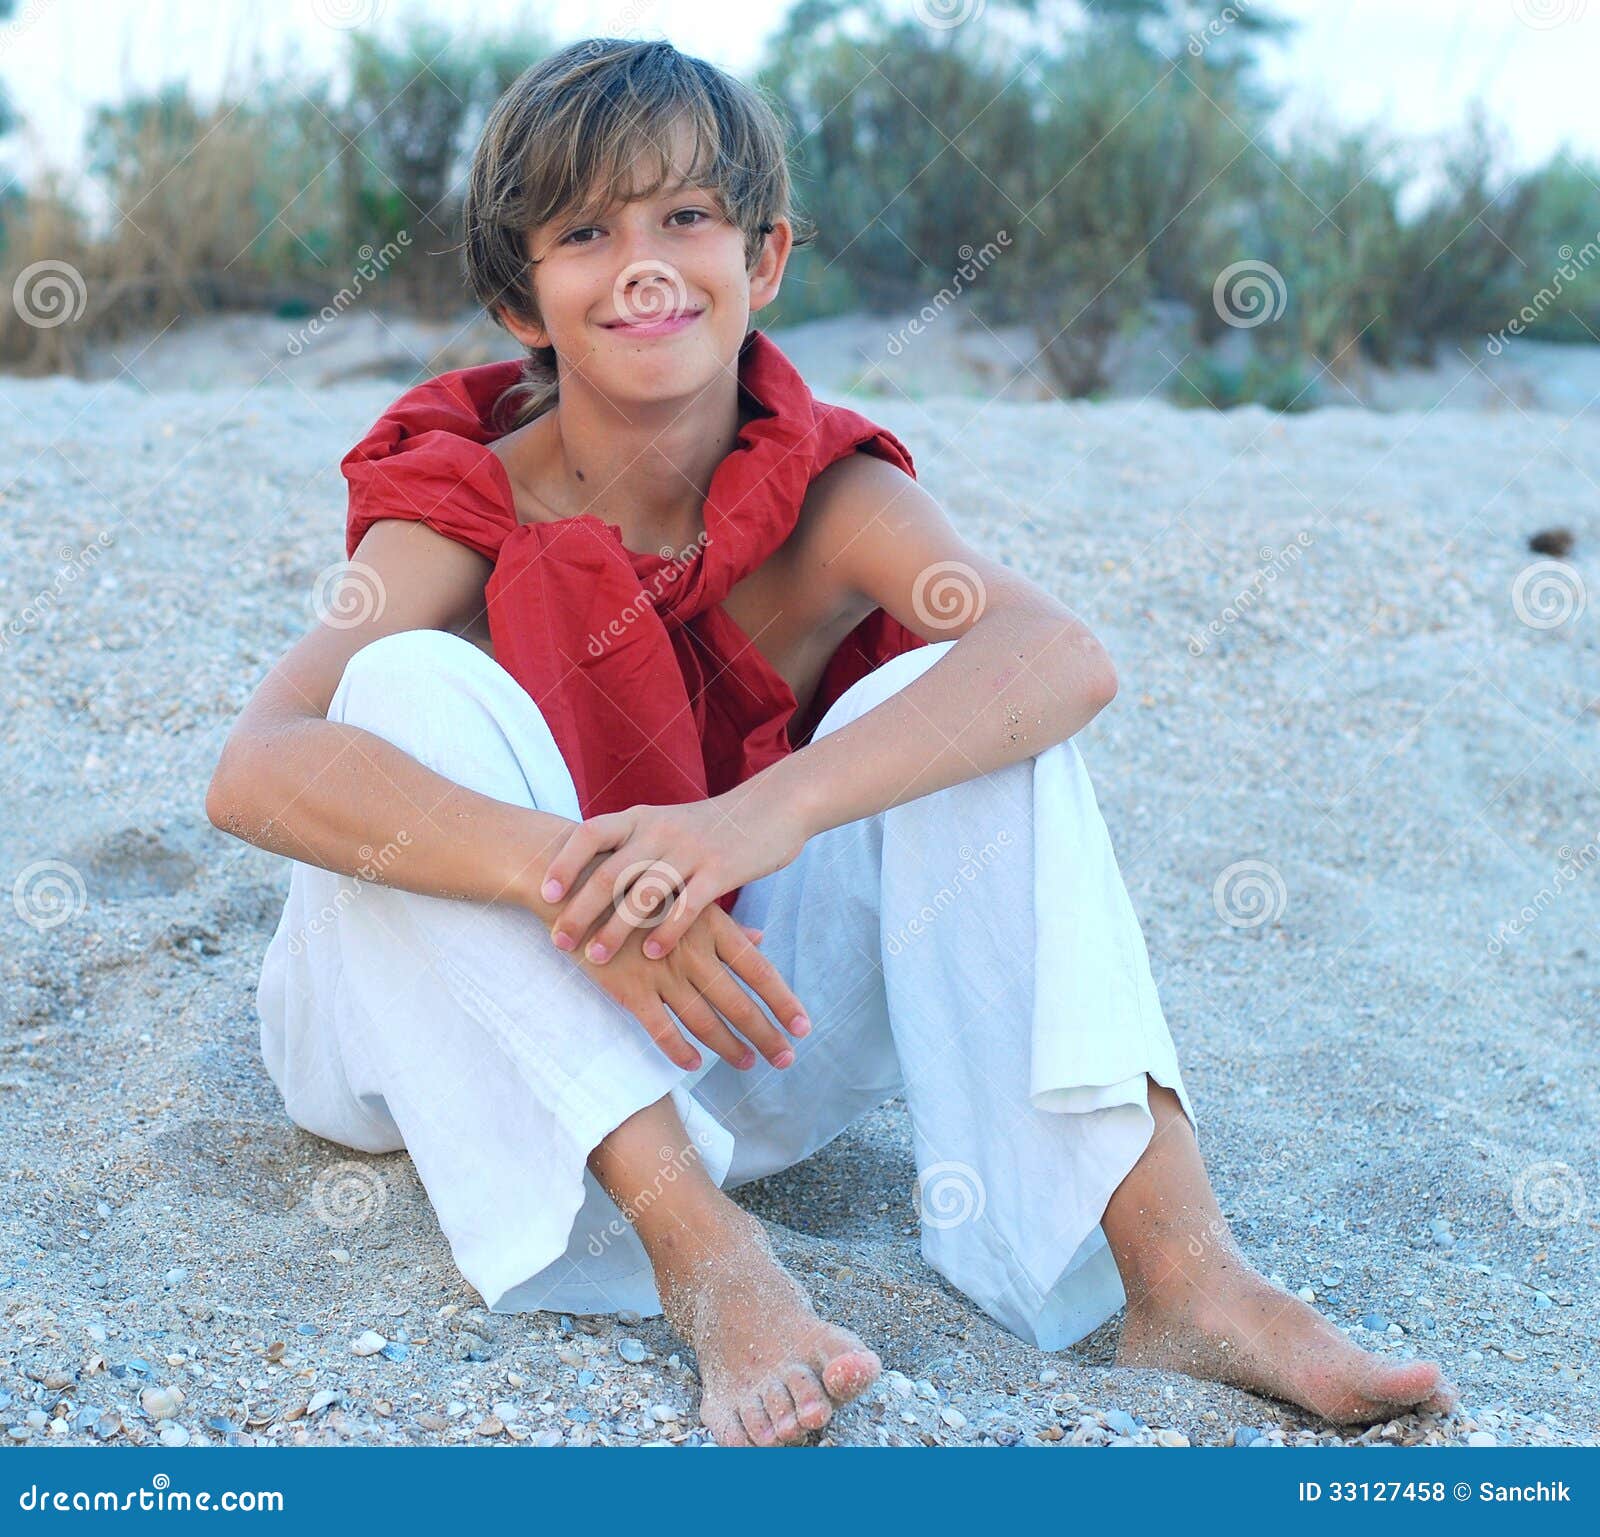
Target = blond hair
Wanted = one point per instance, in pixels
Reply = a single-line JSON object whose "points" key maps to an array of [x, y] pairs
{"points": [[564, 137]]}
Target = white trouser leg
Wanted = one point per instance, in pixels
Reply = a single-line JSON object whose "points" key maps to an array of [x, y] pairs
{"points": [[977, 948], [458, 1030]]}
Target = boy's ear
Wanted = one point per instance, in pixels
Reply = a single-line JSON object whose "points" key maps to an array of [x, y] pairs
{"points": [[525, 331], [767, 274]]}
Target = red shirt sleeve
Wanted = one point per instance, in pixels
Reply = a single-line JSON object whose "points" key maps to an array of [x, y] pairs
{"points": [[426, 459]]}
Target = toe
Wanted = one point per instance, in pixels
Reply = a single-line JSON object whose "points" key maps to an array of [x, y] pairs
{"points": [[757, 1424], [811, 1404], [850, 1373], [781, 1411]]}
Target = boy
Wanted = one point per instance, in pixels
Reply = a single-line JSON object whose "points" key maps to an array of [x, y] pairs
{"points": [[731, 669]]}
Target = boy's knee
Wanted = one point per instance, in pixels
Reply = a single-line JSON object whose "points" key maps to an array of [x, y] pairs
{"points": [[396, 671]]}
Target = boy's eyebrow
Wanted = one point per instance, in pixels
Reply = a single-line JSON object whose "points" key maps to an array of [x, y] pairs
{"points": [[593, 210]]}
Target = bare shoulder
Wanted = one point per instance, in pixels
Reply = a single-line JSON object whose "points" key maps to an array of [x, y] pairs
{"points": [[843, 504]]}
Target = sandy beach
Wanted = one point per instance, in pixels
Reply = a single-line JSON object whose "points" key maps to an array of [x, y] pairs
{"points": [[1352, 776]]}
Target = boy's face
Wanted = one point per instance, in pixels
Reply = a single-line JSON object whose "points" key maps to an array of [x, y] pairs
{"points": [[649, 300]]}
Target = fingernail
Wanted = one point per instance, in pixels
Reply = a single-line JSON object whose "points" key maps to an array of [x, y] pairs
{"points": [[652, 949], [748, 1060], [799, 1025], [566, 942], [552, 889], [694, 1063], [783, 1059], [598, 952]]}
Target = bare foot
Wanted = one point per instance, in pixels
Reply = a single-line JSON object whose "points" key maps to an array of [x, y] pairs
{"points": [[771, 1371], [1240, 1329]]}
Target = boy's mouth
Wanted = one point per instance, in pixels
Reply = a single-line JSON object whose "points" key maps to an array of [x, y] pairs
{"points": [[665, 325]]}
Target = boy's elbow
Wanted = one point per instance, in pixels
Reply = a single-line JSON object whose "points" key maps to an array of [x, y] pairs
{"points": [[224, 803]]}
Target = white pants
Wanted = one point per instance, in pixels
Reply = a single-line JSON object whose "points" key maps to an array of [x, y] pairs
{"points": [[975, 950]]}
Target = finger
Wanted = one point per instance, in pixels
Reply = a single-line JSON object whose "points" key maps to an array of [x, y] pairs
{"points": [[659, 1027], [644, 903], [744, 1014], [768, 984], [707, 1026], [585, 841], [753, 935], [692, 901], [589, 903]]}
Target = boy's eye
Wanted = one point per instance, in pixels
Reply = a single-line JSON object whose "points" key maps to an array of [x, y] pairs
{"points": [[571, 237]]}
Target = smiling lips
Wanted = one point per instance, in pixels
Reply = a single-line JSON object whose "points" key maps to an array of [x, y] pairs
{"points": [[666, 326]]}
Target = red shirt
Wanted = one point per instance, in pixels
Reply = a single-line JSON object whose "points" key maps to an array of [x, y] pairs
{"points": [[653, 694]]}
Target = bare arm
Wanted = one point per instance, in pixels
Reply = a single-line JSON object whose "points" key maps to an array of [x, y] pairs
{"points": [[291, 781], [1024, 674]]}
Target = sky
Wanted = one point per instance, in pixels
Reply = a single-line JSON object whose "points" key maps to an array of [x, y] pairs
{"points": [[1411, 66]]}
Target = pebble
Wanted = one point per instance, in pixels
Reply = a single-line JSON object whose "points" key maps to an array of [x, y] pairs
{"points": [[1245, 1435], [902, 1384], [1481, 1438], [1376, 1322], [549, 1437], [368, 1343], [1439, 1231], [570, 1355], [1171, 1438], [395, 1351], [633, 1350], [176, 1276], [97, 1332], [19, 1432], [506, 1412], [663, 1414], [1047, 1376], [1305, 1294], [952, 1417], [433, 1422], [1122, 1422], [628, 1318], [323, 1399]]}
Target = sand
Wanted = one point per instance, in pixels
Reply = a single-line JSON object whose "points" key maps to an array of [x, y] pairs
{"points": [[1351, 775]]}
